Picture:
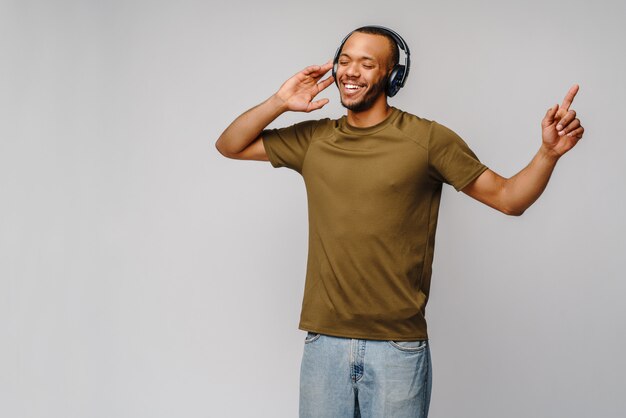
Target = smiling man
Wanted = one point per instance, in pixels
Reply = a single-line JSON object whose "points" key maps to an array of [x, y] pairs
{"points": [[361, 90], [374, 179]]}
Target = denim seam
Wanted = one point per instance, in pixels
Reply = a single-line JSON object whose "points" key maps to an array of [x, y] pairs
{"points": [[351, 364], [426, 385], [355, 350], [361, 356]]}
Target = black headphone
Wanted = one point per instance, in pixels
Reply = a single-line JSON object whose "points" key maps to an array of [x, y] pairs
{"points": [[399, 73]]}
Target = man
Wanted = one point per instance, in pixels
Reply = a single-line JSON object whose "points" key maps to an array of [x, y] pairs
{"points": [[374, 180]]}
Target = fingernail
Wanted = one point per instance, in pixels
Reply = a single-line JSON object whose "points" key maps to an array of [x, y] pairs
{"points": [[559, 127], [569, 134], [561, 133]]}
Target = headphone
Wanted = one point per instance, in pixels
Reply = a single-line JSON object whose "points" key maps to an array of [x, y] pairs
{"points": [[399, 73]]}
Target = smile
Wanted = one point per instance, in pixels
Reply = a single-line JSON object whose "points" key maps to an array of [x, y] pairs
{"points": [[351, 88]]}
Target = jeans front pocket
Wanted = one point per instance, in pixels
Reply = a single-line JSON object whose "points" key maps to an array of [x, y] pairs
{"points": [[409, 346], [311, 336]]}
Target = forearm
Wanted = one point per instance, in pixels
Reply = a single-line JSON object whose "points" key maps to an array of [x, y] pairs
{"points": [[514, 195], [523, 189], [249, 125]]}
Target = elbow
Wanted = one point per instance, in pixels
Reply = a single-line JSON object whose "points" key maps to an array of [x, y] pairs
{"points": [[515, 213], [221, 149], [509, 203], [217, 147], [511, 211]]}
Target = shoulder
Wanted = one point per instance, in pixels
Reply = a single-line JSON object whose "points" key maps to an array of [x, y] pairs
{"points": [[414, 127], [325, 127], [317, 127], [306, 130], [431, 130], [428, 133], [413, 123]]}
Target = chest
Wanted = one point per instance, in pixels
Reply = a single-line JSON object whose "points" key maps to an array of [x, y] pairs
{"points": [[365, 168]]}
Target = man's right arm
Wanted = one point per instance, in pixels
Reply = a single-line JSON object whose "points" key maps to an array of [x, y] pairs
{"points": [[242, 139]]}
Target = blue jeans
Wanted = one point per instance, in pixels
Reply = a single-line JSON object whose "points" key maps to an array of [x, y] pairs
{"points": [[352, 378]]}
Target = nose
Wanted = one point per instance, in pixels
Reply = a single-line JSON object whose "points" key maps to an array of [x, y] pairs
{"points": [[352, 69]]}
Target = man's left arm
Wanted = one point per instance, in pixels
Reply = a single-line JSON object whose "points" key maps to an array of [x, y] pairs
{"points": [[561, 131]]}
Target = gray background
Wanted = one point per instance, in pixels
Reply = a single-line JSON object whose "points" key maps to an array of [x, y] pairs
{"points": [[144, 275]]}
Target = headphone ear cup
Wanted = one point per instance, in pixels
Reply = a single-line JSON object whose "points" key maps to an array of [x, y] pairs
{"points": [[394, 81], [336, 59]]}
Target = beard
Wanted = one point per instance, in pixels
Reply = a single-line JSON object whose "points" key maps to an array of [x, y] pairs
{"points": [[368, 99]]}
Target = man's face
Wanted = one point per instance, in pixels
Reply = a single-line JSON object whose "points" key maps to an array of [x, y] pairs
{"points": [[362, 70]]}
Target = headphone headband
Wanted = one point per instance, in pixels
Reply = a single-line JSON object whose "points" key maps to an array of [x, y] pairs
{"points": [[399, 73]]}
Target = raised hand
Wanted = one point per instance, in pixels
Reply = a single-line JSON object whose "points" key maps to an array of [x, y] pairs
{"points": [[561, 130], [298, 92]]}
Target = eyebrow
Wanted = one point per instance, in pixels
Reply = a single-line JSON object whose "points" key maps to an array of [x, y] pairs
{"points": [[365, 57]]}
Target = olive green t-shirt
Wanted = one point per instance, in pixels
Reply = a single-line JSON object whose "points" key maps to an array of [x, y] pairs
{"points": [[373, 199]]}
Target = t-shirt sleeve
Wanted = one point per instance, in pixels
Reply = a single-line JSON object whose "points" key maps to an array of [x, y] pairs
{"points": [[450, 159], [287, 147]]}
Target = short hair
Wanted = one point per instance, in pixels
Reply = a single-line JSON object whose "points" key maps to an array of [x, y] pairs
{"points": [[395, 52]]}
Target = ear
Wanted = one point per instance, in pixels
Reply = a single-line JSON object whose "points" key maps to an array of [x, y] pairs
{"points": [[390, 72]]}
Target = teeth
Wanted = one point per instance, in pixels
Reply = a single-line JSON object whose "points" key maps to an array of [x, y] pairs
{"points": [[352, 86]]}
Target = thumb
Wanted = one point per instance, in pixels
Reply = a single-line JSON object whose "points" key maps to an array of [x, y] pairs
{"points": [[550, 114]]}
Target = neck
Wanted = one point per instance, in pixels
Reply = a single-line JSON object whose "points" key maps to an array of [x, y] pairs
{"points": [[372, 116]]}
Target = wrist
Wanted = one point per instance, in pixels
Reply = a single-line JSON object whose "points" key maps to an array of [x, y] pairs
{"points": [[549, 154], [277, 103]]}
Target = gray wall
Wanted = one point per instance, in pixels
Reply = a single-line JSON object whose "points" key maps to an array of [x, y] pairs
{"points": [[144, 275]]}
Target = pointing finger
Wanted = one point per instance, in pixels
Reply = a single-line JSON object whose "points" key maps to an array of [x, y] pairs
{"points": [[569, 97]]}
